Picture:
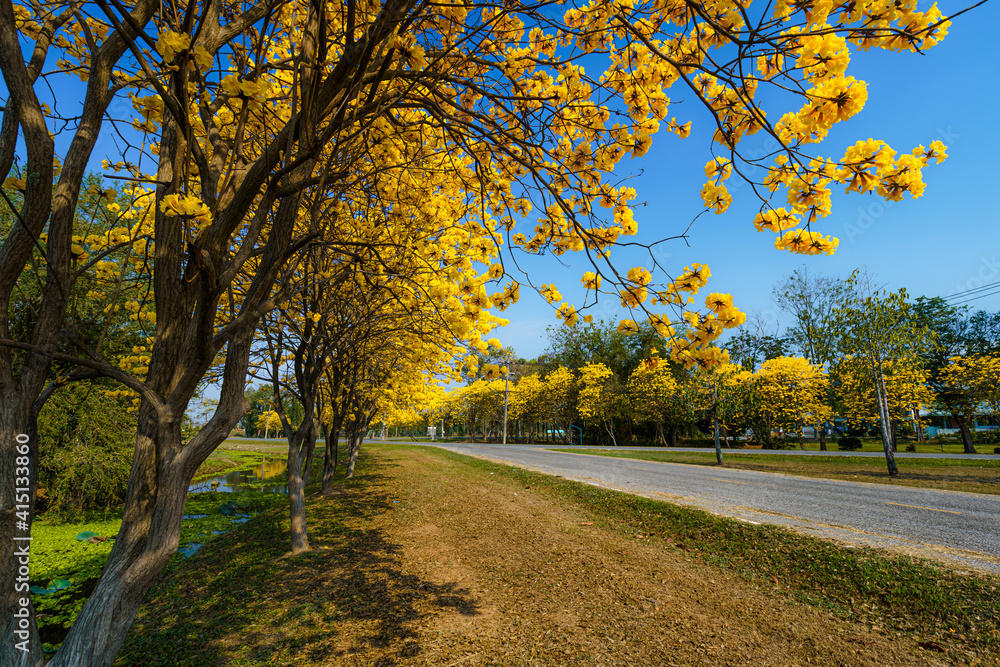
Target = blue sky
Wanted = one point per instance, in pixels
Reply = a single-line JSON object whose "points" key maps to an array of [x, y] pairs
{"points": [[939, 244]]}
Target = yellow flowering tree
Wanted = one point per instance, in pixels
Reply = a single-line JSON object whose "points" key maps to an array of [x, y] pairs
{"points": [[601, 398], [970, 386], [792, 393], [252, 118], [655, 394], [906, 392], [560, 401]]}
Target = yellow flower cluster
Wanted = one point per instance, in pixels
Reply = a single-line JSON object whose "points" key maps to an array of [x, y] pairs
{"points": [[805, 242], [187, 207], [568, 315], [550, 293]]}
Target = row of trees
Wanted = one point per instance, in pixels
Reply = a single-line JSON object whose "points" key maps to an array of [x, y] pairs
{"points": [[785, 394], [870, 357], [317, 195]]}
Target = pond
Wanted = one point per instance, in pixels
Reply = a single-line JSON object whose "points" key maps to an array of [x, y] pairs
{"points": [[246, 480]]}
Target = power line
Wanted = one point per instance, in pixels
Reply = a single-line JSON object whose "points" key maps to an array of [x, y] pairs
{"points": [[964, 293], [976, 296]]}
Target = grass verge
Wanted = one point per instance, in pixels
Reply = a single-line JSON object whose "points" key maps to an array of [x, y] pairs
{"points": [[950, 474], [242, 585], [896, 593]]}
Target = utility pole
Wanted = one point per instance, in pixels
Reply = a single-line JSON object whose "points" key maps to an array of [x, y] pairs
{"points": [[506, 394], [715, 418]]}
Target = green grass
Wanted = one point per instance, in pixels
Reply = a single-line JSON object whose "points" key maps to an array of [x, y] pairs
{"points": [[239, 585], [222, 461], [970, 475], [937, 446], [899, 593], [56, 553]]}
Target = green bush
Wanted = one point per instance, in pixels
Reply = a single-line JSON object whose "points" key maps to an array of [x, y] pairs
{"points": [[849, 443], [85, 441], [991, 437]]}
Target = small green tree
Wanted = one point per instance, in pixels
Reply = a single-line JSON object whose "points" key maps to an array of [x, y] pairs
{"points": [[878, 327]]}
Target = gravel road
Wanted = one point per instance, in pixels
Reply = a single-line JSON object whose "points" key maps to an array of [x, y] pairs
{"points": [[960, 528]]}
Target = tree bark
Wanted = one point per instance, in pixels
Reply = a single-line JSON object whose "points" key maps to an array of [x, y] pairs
{"points": [[300, 451], [822, 436], [330, 460], [965, 427], [21, 645], [162, 469], [354, 445], [884, 425], [611, 433]]}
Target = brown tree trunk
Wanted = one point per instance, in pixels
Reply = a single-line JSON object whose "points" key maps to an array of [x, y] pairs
{"points": [[330, 460], [965, 427], [300, 451], [672, 435], [822, 437], [162, 469], [802, 444], [21, 646]]}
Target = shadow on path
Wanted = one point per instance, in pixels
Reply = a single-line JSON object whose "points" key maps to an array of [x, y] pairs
{"points": [[244, 600]]}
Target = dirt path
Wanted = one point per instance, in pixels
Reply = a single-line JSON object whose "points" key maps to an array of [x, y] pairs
{"points": [[513, 579]]}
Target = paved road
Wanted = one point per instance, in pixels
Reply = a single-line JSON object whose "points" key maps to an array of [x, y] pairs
{"points": [[961, 528]]}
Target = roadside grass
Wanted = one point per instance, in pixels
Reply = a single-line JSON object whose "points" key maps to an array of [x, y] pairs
{"points": [[949, 474], [937, 445], [898, 594]]}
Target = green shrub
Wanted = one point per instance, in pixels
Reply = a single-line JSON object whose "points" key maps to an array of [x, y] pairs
{"points": [[849, 443], [991, 437], [85, 441]]}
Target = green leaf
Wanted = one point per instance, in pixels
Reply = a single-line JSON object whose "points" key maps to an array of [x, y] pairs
{"points": [[86, 535]]}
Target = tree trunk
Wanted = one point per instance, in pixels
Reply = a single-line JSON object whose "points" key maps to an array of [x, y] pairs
{"points": [[300, 451], [162, 469], [822, 436], [354, 439], [726, 440], [802, 444], [330, 460], [611, 432], [884, 426], [964, 425], [21, 646], [672, 435], [659, 432]]}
